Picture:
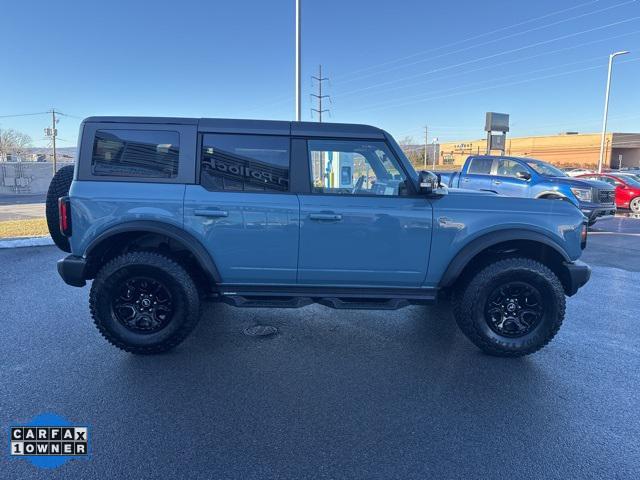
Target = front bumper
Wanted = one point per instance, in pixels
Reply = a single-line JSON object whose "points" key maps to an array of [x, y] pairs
{"points": [[593, 213], [578, 273], [72, 270]]}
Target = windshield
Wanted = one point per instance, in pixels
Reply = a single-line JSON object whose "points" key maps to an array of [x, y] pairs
{"points": [[544, 168], [631, 180]]}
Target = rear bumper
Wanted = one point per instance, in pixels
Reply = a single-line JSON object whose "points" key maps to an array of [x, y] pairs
{"points": [[578, 274], [72, 270]]}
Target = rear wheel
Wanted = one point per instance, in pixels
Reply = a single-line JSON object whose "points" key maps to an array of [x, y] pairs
{"points": [[634, 205], [59, 187], [512, 307], [144, 302]]}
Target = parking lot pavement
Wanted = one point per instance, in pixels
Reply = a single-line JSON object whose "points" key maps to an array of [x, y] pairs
{"points": [[335, 394], [6, 199]]}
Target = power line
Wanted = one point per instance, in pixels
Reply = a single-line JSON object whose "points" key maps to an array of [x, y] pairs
{"points": [[23, 114], [489, 80], [482, 35], [319, 96], [498, 54], [509, 62], [492, 41], [496, 86]]}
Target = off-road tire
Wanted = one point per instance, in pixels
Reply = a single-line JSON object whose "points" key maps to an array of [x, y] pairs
{"points": [[470, 298], [154, 265], [59, 187]]}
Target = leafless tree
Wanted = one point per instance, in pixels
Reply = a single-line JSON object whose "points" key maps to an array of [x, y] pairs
{"points": [[13, 142]]}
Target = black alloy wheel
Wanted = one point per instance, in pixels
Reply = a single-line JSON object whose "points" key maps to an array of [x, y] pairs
{"points": [[143, 305], [514, 309]]}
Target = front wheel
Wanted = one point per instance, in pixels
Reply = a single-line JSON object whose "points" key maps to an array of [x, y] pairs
{"points": [[144, 302], [511, 308], [634, 205]]}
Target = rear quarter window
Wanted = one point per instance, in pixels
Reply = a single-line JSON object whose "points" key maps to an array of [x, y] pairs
{"points": [[135, 153]]}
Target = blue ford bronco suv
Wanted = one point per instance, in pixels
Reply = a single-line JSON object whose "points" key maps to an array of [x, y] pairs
{"points": [[162, 213]]}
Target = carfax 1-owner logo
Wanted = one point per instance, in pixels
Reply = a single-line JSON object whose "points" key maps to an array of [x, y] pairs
{"points": [[49, 440]]}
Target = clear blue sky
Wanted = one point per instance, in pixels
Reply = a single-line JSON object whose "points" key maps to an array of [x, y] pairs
{"points": [[396, 64]]}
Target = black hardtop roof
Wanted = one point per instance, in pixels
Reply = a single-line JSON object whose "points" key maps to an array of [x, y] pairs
{"points": [[263, 127]]}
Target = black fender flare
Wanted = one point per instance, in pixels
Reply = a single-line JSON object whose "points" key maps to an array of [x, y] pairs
{"points": [[176, 233], [473, 248]]}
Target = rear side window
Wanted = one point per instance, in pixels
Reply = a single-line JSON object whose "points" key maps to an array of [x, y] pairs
{"points": [[135, 153], [480, 166], [258, 163]]}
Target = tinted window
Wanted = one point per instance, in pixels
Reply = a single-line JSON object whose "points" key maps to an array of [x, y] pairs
{"points": [[136, 153], [245, 163], [481, 166], [354, 167], [509, 168]]}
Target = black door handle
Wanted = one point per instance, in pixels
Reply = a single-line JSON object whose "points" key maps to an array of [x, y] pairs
{"points": [[327, 217], [211, 213]]}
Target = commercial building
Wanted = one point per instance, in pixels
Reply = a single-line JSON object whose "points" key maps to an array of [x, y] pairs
{"points": [[570, 149]]}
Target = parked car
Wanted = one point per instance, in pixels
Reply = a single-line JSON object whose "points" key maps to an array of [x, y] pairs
{"points": [[532, 178], [163, 213], [627, 188]]}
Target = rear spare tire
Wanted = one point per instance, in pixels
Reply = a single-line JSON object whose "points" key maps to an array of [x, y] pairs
{"points": [[59, 187]]}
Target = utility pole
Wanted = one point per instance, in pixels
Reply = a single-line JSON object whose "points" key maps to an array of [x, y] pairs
{"points": [[319, 96], [606, 107], [298, 60], [53, 133], [426, 129]]}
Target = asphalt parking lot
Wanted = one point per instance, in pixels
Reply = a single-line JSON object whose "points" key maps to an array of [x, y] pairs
{"points": [[335, 394]]}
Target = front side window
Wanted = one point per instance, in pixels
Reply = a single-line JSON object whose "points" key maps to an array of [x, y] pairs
{"points": [[509, 168], [354, 167], [258, 163], [135, 153], [480, 166]]}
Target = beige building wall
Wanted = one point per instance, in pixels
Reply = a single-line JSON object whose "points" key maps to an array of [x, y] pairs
{"points": [[581, 150]]}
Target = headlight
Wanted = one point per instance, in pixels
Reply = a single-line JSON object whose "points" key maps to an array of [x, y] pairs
{"points": [[582, 194]]}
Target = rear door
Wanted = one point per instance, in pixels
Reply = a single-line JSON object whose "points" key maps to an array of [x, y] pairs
{"points": [[359, 226], [242, 209], [478, 174]]}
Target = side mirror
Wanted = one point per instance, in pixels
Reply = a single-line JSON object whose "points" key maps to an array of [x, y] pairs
{"points": [[429, 184], [523, 175]]}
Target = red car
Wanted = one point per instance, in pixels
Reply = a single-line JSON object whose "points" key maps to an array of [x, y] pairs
{"points": [[627, 188]]}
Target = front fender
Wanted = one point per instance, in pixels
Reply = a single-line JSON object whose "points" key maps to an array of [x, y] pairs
{"points": [[474, 247]]}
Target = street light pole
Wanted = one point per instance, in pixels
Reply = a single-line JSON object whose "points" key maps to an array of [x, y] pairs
{"points": [[606, 108], [298, 64]]}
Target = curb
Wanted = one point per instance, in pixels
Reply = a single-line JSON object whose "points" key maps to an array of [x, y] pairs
{"points": [[26, 242]]}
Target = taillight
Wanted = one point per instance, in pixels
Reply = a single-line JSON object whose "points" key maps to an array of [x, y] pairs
{"points": [[583, 235], [64, 211]]}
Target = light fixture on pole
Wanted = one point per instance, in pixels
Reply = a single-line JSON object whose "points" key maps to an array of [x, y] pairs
{"points": [[606, 108], [298, 65]]}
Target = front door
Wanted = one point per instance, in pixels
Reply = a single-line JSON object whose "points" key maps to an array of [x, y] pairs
{"points": [[507, 180], [358, 226], [242, 209]]}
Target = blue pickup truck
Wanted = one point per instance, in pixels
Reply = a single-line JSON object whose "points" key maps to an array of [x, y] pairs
{"points": [[532, 178], [161, 214]]}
